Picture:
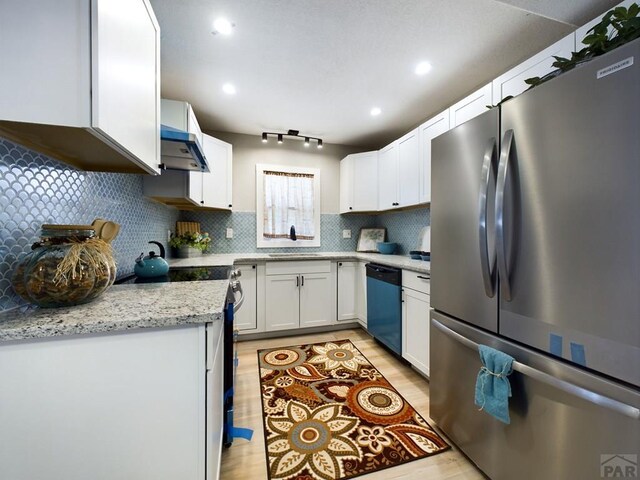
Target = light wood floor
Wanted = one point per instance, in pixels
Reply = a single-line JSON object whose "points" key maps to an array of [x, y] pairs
{"points": [[246, 460]]}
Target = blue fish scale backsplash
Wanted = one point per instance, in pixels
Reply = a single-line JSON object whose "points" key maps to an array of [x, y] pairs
{"points": [[402, 227], [244, 231], [35, 189]]}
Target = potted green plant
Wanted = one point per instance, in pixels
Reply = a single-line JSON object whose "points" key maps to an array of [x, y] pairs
{"points": [[190, 244], [617, 27]]}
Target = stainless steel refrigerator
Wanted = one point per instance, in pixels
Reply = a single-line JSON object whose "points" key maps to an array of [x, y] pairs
{"points": [[535, 244]]}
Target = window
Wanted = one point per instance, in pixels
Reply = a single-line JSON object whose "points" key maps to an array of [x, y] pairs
{"points": [[287, 197]]}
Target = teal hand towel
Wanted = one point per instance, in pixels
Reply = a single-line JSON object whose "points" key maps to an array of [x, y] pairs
{"points": [[492, 385]]}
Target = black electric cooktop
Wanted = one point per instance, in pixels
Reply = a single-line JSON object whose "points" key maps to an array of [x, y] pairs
{"points": [[185, 274]]}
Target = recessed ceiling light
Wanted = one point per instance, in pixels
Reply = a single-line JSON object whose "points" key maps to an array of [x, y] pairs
{"points": [[229, 89], [375, 111], [423, 68], [222, 26]]}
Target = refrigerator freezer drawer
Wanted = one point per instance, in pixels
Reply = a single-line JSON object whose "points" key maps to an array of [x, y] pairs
{"points": [[552, 434]]}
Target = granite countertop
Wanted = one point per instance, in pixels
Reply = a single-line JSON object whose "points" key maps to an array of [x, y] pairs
{"points": [[210, 260], [128, 307], [122, 307]]}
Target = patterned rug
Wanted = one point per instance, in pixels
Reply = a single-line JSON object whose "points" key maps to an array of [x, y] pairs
{"points": [[329, 414]]}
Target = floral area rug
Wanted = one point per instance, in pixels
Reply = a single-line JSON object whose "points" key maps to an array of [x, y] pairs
{"points": [[329, 414]]}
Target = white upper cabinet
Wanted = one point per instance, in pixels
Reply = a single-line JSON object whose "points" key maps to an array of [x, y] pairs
{"points": [[190, 190], [346, 184], [216, 185], [82, 82], [408, 169], [398, 173], [512, 82], [180, 115], [470, 106], [428, 131], [388, 177], [359, 182]]}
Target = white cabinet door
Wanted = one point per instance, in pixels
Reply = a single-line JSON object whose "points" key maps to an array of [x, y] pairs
{"points": [[470, 106], [192, 124], [388, 177], [194, 186], [346, 184], [125, 78], [215, 410], [512, 82], [246, 317], [347, 273], [317, 299], [428, 131], [415, 329], [123, 405], [365, 182], [216, 186], [408, 169], [282, 302], [361, 293]]}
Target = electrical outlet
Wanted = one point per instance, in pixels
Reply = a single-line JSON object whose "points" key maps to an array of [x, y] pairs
{"points": [[229, 232], [346, 233]]}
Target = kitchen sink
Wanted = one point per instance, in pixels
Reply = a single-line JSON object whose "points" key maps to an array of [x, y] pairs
{"points": [[293, 254]]}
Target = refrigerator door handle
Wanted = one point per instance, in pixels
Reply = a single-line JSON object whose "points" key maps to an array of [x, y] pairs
{"points": [[501, 249], [487, 266], [570, 388]]}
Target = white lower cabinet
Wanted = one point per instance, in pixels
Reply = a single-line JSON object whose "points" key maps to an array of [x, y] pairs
{"points": [[347, 301], [246, 318], [415, 320], [300, 294], [113, 406], [317, 299], [361, 294]]}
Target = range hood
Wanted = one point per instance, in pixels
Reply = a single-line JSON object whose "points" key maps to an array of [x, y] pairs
{"points": [[181, 150]]}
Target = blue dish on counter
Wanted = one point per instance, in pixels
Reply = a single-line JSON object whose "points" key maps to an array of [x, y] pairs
{"points": [[419, 255], [387, 248]]}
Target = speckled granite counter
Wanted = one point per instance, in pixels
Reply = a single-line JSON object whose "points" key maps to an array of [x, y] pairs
{"points": [[122, 307], [398, 261]]}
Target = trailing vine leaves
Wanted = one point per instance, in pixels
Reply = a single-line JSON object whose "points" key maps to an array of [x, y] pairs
{"points": [[617, 27]]}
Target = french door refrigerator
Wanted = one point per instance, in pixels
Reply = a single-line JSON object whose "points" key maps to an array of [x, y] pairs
{"points": [[535, 231]]}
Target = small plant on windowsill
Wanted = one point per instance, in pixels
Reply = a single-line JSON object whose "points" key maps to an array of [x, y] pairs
{"points": [[189, 244]]}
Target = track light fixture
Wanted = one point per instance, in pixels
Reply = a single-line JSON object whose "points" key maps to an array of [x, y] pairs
{"points": [[291, 133]]}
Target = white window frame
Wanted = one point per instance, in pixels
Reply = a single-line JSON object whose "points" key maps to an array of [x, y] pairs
{"points": [[262, 242]]}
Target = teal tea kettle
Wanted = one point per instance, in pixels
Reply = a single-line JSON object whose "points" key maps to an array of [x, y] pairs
{"points": [[152, 265]]}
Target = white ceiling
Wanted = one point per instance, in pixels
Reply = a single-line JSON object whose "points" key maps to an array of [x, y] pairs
{"points": [[319, 66]]}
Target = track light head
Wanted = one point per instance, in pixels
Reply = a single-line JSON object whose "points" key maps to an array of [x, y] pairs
{"points": [[319, 143], [264, 137], [306, 141], [279, 138]]}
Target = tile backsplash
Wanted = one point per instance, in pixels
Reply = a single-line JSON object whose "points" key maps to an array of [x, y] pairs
{"points": [[402, 227], [244, 231], [35, 189]]}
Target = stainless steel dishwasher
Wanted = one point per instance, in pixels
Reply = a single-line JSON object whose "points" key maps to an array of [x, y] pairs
{"points": [[384, 305]]}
